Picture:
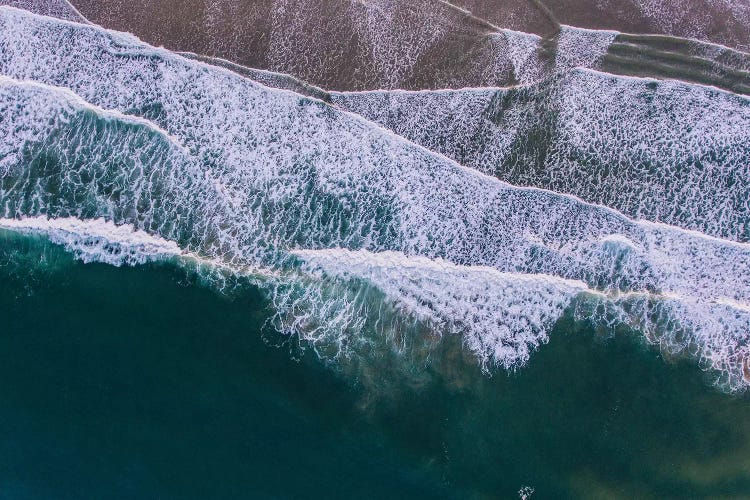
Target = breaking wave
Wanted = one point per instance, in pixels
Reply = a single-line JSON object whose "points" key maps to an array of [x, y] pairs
{"points": [[343, 219]]}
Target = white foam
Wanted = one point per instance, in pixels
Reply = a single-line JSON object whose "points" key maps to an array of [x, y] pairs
{"points": [[523, 49], [578, 47], [98, 240], [503, 317], [62, 95], [661, 151], [265, 172]]}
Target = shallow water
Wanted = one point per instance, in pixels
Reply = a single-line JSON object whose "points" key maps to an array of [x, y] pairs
{"points": [[139, 382]]}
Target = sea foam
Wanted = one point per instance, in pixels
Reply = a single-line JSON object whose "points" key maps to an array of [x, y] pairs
{"points": [[97, 240], [657, 150], [245, 175]]}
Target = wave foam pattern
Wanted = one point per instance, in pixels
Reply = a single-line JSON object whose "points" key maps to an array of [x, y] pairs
{"points": [[97, 240], [578, 47], [661, 151], [249, 173], [502, 316]]}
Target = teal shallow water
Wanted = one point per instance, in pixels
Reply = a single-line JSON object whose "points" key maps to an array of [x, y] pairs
{"points": [[139, 383]]}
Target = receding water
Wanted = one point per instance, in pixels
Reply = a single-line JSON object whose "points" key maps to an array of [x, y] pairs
{"points": [[138, 382]]}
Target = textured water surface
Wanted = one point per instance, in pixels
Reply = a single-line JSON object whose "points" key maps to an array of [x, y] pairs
{"points": [[128, 382], [212, 285]]}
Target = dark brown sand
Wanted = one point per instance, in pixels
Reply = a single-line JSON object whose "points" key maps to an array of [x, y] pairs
{"points": [[334, 44], [666, 57], [726, 23], [529, 16], [427, 44], [424, 44]]}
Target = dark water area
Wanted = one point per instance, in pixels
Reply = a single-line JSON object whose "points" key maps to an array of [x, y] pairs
{"points": [[137, 382]]}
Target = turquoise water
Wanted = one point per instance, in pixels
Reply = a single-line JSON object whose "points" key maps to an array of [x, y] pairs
{"points": [[139, 382]]}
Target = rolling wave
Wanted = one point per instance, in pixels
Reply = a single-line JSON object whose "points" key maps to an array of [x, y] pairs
{"points": [[97, 240], [345, 303], [245, 176]]}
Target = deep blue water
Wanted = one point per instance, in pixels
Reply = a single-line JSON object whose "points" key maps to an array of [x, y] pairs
{"points": [[138, 382]]}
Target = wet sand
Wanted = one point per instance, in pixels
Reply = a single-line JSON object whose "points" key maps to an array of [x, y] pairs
{"points": [[334, 44], [345, 45], [427, 44], [53, 8], [726, 23]]}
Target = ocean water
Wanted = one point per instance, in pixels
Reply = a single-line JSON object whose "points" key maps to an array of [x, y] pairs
{"points": [[656, 150], [141, 382], [269, 182], [213, 288]]}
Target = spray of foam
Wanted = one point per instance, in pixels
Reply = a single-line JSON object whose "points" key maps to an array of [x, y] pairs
{"points": [[502, 316]]}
